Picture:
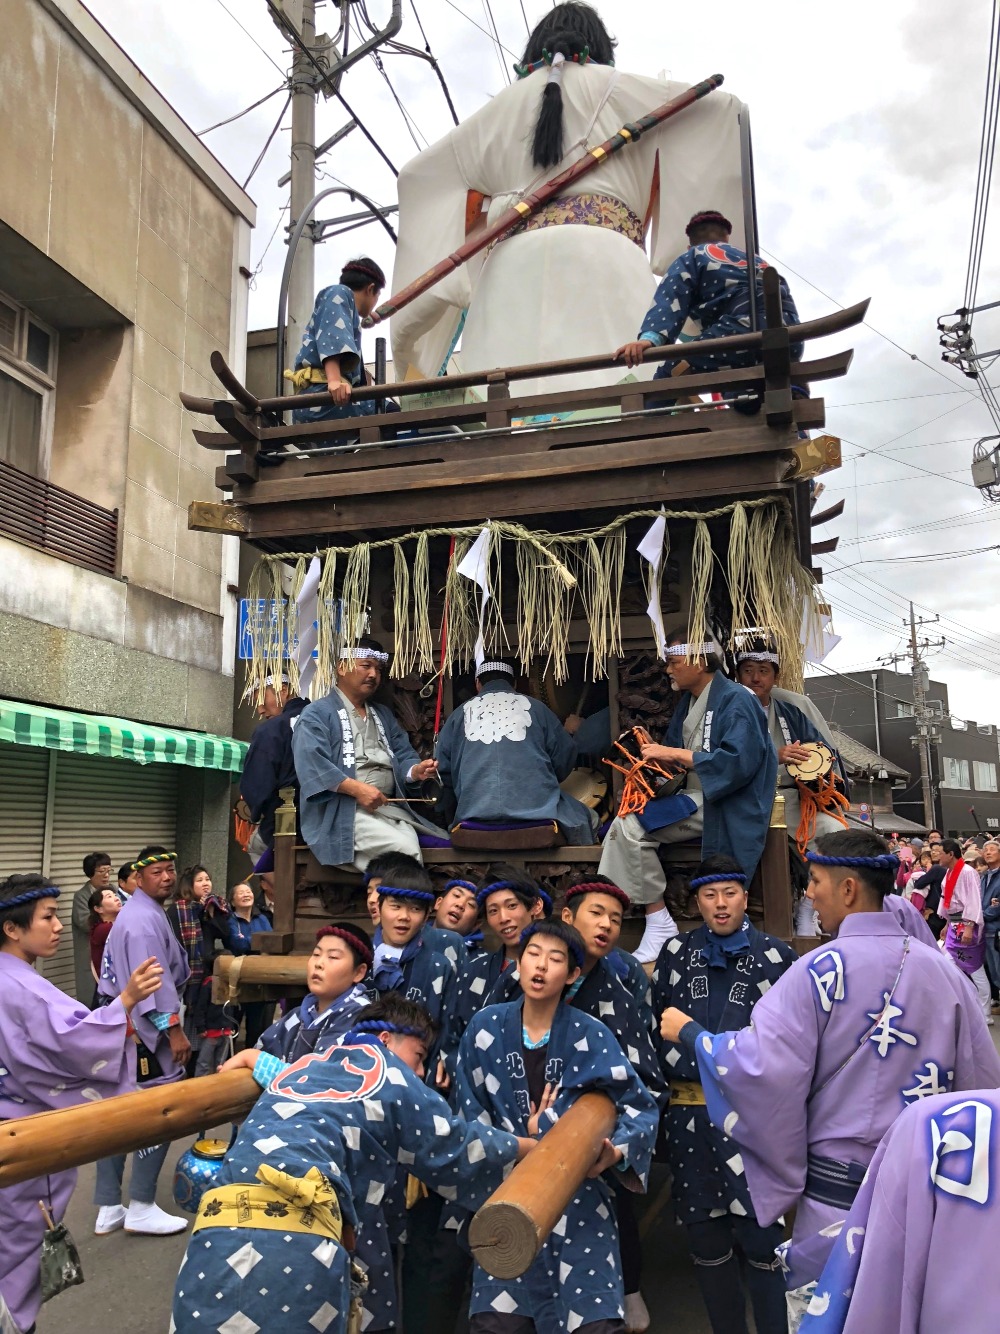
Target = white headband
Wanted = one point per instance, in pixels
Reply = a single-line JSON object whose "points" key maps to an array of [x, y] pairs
{"points": [[373, 653], [556, 68], [495, 667], [692, 650], [281, 680], [757, 657]]}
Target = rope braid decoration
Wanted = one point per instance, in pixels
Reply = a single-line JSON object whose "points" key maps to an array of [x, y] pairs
{"points": [[150, 861], [885, 861], [718, 878], [29, 896], [560, 577], [367, 1027]]}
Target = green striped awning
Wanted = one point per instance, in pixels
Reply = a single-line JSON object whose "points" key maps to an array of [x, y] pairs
{"points": [[119, 738]]}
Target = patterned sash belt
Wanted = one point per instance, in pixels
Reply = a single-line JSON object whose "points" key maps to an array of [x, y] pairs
{"points": [[831, 1182], [686, 1093], [306, 376], [281, 1203], [587, 211]]}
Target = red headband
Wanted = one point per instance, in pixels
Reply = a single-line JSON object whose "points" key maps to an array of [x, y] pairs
{"points": [[599, 887], [357, 941]]}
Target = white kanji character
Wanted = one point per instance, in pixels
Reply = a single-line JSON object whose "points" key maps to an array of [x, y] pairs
{"points": [[928, 1083], [829, 984], [699, 987], [884, 1035], [973, 1183]]}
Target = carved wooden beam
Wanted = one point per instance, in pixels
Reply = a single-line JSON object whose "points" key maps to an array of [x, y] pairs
{"points": [[211, 516]]}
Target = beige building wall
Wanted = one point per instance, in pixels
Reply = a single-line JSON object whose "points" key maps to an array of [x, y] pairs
{"points": [[101, 179]]}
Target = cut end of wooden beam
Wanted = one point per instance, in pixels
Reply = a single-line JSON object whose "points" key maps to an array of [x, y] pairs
{"points": [[210, 516], [504, 1240]]}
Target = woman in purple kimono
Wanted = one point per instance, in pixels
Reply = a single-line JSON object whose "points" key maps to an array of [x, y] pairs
{"points": [[54, 1053]]}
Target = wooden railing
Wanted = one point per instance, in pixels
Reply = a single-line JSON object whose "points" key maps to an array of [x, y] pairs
{"points": [[56, 521]]}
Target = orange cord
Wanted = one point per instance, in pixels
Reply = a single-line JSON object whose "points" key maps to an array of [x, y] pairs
{"points": [[637, 790], [828, 798]]}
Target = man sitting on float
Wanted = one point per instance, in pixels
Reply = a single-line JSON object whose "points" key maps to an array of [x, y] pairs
{"points": [[718, 734], [355, 765], [814, 787], [503, 755]]}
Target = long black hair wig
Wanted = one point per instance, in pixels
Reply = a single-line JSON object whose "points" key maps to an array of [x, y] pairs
{"points": [[575, 30]]}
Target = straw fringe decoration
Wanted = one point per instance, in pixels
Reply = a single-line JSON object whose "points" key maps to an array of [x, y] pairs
{"points": [[559, 576]]}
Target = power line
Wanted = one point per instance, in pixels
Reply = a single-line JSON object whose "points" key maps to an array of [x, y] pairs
{"points": [[268, 141], [496, 33], [840, 306], [408, 121], [252, 107], [527, 25], [925, 556], [929, 472], [253, 39], [984, 169], [485, 31], [953, 521]]}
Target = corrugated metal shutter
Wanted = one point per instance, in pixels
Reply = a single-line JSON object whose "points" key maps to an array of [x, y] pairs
{"points": [[24, 776], [103, 805]]}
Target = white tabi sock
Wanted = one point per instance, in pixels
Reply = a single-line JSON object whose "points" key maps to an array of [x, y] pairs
{"points": [[110, 1217], [151, 1221], [660, 926]]}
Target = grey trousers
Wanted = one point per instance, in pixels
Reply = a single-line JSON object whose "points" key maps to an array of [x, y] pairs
{"points": [[378, 833], [146, 1165], [629, 854]]}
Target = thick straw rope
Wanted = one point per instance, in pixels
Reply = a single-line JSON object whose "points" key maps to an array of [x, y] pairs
{"points": [[557, 574]]}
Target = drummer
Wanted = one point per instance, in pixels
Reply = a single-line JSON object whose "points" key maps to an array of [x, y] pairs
{"points": [[793, 720]]}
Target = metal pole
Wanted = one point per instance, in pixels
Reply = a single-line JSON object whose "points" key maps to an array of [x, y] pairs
{"points": [[878, 739], [302, 280], [749, 214]]}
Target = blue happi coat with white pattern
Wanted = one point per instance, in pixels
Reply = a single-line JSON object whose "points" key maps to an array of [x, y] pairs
{"points": [[359, 1114], [708, 1174], [576, 1277]]}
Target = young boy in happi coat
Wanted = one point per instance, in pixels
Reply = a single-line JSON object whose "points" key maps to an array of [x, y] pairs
{"points": [[849, 1036], [717, 973], [510, 901], [456, 913], [596, 908], [270, 1247], [335, 973], [54, 1053], [405, 963], [917, 1252], [522, 1065]]}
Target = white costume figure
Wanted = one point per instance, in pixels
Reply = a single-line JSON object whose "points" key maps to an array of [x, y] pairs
{"points": [[561, 288]]}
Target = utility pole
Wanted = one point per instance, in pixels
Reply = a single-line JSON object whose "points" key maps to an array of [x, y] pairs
{"points": [[927, 731], [301, 18]]}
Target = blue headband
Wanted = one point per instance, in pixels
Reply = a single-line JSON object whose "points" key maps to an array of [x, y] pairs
{"points": [[461, 884], [420, 895], [497, 885], [367, 1027], [537, 927], [718, 878], [885, 861], [29, 896]]}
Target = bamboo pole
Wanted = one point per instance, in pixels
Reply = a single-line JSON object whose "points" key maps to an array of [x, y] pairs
{"points": [[35, 1146], [512, 1226]]}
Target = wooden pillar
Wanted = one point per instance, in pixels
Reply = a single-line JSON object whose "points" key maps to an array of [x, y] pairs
{"points": [[614, 685], [775, 875], [282, 938]]}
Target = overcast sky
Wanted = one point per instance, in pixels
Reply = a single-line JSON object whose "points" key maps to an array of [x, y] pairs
{"points": [[866, 126]]}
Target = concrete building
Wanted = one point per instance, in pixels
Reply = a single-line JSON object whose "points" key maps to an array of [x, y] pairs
{"points": [[123, 252], [876, 708]]}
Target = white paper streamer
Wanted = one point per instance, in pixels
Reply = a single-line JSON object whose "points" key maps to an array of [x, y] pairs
{"points": [[651, 549]]}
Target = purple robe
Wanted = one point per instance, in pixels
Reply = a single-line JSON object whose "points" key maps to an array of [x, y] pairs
{"points": [[837, 1048], [142, 931], [909, 918], [54, 1053], [917, 1252]]}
